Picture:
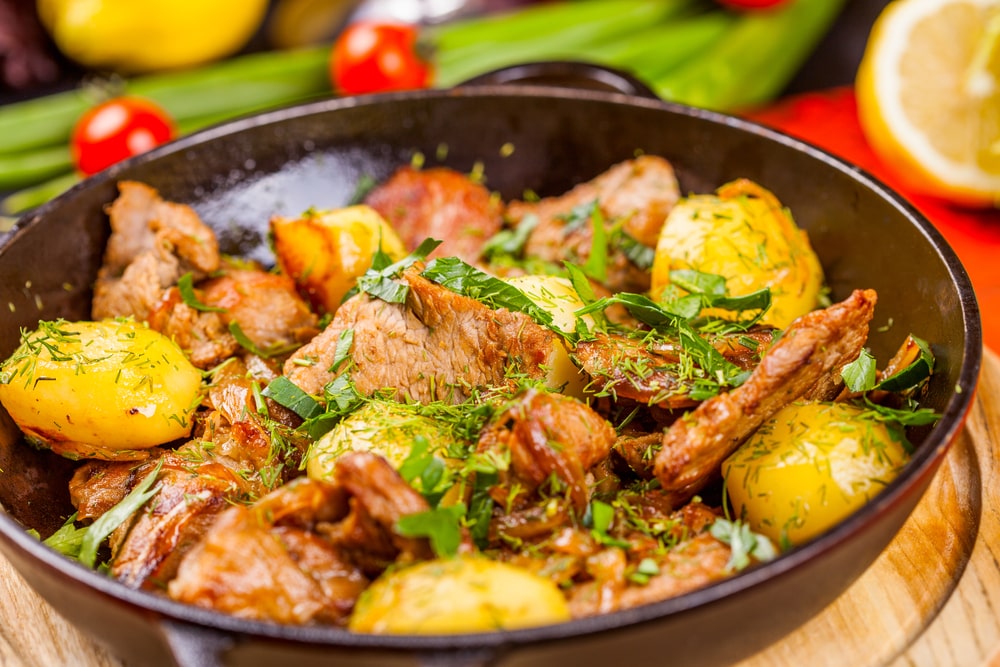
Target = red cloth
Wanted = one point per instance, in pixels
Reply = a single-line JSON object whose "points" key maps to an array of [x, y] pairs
{"points": [[829, 120]]}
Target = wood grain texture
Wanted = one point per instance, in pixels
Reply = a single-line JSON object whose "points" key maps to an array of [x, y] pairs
{"points": [[907, 610]]}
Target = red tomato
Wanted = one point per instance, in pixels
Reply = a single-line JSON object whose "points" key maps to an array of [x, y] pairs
{"points": [[374, 56], [751, 4], [117, 129]]}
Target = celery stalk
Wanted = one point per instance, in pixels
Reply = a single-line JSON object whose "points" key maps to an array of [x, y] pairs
{"points": [[574, 41], [252, 81], [656, 50], [755, 60], [541, 20], [23, 200], [21, 169]]}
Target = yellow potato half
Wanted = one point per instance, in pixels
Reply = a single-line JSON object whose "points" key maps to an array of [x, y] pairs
{"points": [[463, 594], [556, 296], [99, 389], [808, 468], [385, 428], [326, 251], [743, 234]]}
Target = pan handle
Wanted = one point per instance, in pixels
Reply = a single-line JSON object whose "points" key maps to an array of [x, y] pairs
{"points": [[194, 645], [566, 73]]}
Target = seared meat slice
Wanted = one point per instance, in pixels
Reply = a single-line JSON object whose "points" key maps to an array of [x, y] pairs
{"points": [[153, 242], [266, 562], [266, 306], [695, 559], [303, 553], [639, 193], [438, 203], [806, 360], [379, 498], [148, 549], [646, 371], [438, 345], [546, 435]]}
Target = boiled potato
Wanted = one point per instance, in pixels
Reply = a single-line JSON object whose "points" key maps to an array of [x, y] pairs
{"points": [[462, 594], [385, 428], [743, 234], [557, 296], [326, 251], [809, 467], [99, 389]]}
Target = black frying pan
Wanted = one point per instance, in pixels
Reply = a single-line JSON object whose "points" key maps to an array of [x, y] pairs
{"points": [[237, 175]]}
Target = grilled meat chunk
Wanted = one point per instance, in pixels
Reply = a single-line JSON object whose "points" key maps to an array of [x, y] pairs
{"points": [[438, 345], [303, 553], [266, 562], [546, 435], [442, 204], [646, 371], [805, 362], [266, 307], [153, 242], [637, 193]]}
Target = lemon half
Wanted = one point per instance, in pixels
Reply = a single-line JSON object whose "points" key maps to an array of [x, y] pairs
{"points": [[928, 91]]}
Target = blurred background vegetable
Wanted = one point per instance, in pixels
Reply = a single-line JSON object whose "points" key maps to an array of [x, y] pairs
{"points": [[929, 97], [152, 35], [700, 52], [118, 129]]}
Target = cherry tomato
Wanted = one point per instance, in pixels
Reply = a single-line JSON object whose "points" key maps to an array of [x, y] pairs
{"points": [[751, 4], [117, 129], [373, 56]]}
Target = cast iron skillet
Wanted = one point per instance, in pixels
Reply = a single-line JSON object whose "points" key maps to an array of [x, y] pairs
{"points": [[546, 139]]}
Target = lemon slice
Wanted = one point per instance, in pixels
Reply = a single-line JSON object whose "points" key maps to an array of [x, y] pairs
{"points": [[928, 91]]}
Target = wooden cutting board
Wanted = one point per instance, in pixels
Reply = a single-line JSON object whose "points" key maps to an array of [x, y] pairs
{"points": [[909, 609]]}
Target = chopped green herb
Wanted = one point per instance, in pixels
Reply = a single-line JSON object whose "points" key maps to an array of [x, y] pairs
{"points": [[859, 375], [743, 542], [343, 350], [98, 531], [442, 525], [185, 284], [596, 265], [245, 342], [510, 242], [599, 517], [459, 277], [381, 282], [284, 392]]}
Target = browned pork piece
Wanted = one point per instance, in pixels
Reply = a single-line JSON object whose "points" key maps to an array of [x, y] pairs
{"points": [[692, 559], [153, 243], [646, 370], [804, 363], [638, 193], [266, 306], [438, 345], [442, 204], [596, 577], [233, 460], [293, 556], [266, 562], [546, 435]]}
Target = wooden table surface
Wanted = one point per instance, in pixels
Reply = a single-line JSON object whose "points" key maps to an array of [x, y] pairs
{"points": [[908, 610]]}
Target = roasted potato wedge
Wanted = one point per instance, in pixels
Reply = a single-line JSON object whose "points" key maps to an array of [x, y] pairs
{"points": [[326, 251]]}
